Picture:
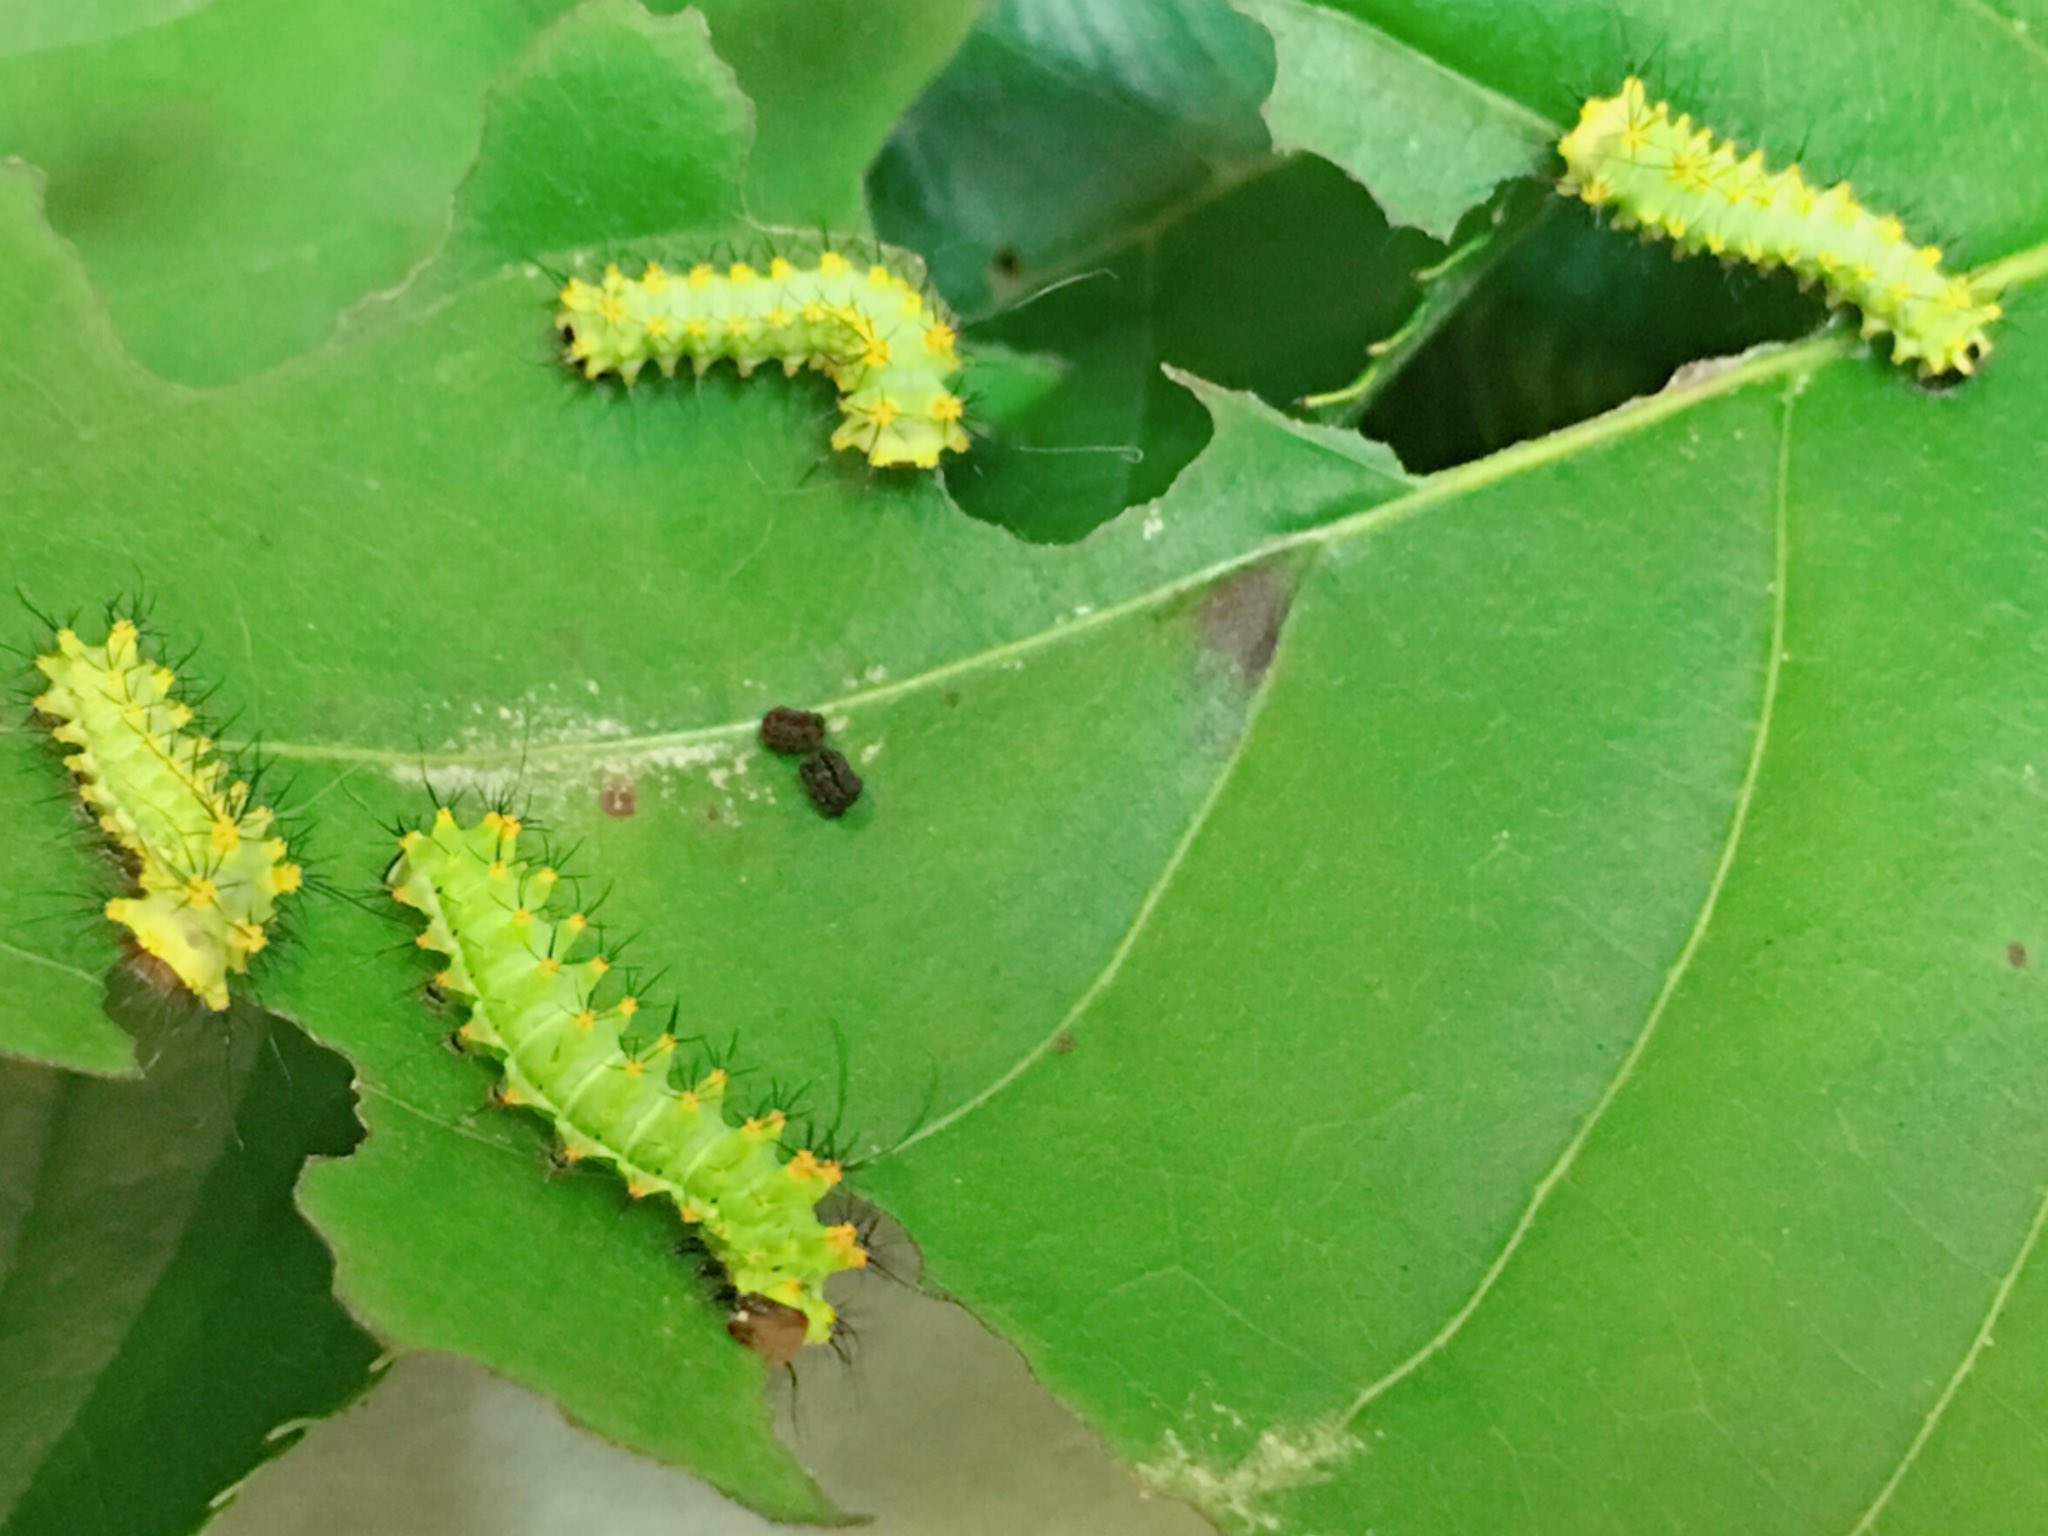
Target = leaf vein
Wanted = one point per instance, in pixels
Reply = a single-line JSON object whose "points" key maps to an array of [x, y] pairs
{"points": [[56, 965], [2011, 26], [1979, 1342], [1140, 918], [1674, 978]]}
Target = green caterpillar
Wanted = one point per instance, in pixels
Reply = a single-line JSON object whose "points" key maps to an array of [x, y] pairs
{"points": [[1679, 181], [617, 1091], [888, 349], [209, 868]]}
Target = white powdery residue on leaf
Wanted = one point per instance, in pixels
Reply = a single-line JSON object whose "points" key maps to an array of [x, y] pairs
{"points": [[560, 753], [870, 752], [1152, 527], [1281, 1461]]}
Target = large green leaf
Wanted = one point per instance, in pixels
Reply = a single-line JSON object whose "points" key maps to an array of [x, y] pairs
{"points": [[237, 174], [31, 26], [163, 1308], [1498, 1002]]}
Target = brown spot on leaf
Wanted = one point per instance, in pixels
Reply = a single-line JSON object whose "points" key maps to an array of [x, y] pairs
{"points": [[2016, 955], [617, 797], [1062, 1043], [1241, 617]]}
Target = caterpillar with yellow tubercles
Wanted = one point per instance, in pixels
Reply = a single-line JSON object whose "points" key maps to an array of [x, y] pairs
{"points": [[889, 350], [1680, 182], [575, 1045], [205, 856]]}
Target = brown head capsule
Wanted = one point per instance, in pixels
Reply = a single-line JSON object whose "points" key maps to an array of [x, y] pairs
{"points": [[768, 1328]]}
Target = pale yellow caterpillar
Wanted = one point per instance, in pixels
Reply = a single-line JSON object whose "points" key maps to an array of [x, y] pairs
{"points": [[209, 866]]}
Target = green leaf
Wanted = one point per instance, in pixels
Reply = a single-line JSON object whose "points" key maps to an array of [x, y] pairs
{"points": [[32, 26], [1059, 128], [1649, 848], [828, 80], [612, 188], [163, 1308], [1428, 142], [53, 967], [238, 175]]}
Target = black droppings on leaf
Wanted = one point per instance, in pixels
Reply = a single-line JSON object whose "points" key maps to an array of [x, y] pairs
{"points": [[792, 730], [830, 781]]}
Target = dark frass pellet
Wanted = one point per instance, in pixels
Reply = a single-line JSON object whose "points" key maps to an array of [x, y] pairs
{"points": [[830, 781], [792, 730]]}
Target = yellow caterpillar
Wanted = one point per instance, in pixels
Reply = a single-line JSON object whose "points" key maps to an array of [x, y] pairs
{"points": [[209, 868], [1681, 182], [889, 350]]}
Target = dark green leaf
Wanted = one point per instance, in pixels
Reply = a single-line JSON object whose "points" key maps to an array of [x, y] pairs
{"points": [[164, 1310]]}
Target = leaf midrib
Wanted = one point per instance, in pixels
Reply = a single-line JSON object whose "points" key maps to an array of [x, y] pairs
{"points": [[1795, 361], [1791, 361]]}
